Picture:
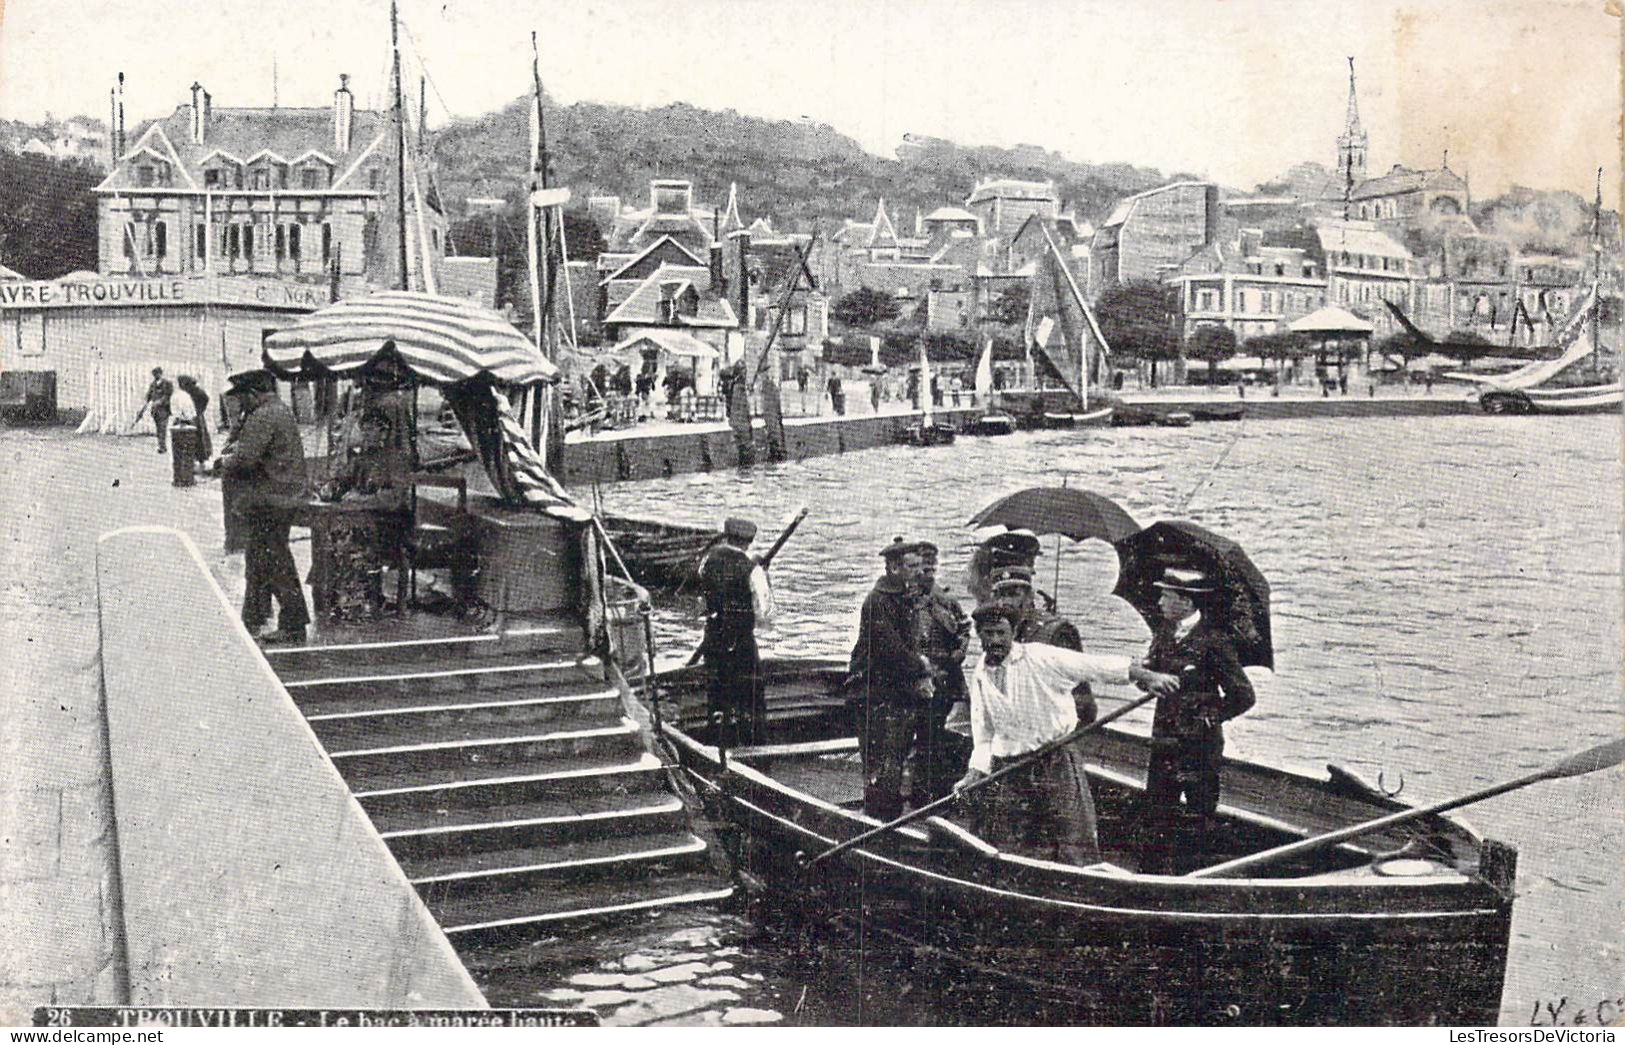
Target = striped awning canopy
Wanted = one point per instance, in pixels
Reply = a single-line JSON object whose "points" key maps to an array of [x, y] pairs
{"points": [[441, 340]]}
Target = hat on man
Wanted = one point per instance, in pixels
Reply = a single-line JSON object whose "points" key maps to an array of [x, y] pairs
{"points": [[897, 547], [246, 381], [1188, 582], [739, 529], [1012, 547], [1006, 576], [993, 611]]}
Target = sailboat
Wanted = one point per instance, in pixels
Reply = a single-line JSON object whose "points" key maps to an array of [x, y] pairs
{"points": [[928, 431], [1578, 381], [1063, 330], [995, 421]]}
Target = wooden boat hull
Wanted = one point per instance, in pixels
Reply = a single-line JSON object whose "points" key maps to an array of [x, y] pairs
{"points": [[1090, 419], [1106, 946], [936, 434], [1589, 399], [659, 555], [1218, 413], [992, 424]]}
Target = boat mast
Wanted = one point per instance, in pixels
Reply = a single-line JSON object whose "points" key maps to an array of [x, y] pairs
{"points": [[1596, 274], [400, 147], [534, 262]]}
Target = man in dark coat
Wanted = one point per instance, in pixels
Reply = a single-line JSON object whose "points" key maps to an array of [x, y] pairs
{"points": [[943, 633], [157, 401], [1187, 736], [895, 678], [737, 596], [267, 461]]}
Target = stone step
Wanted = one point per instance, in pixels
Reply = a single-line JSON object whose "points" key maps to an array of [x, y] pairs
{"points": [[534, 640], [471, 787], [410, 683], [478, 922], [467, 715], [421, 833], [445, 879], [327, 701], [489, 747]]}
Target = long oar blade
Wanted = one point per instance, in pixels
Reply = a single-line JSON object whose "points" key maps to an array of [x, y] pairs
{"points": [[1603, 756]]}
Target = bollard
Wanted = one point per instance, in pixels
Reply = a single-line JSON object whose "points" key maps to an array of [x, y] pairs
{"points": [[183, 443]]}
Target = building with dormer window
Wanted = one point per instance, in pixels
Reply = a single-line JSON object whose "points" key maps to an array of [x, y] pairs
{"points": [[286, 193]]}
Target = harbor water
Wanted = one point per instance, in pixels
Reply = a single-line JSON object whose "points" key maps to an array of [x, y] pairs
{"points": [[1447, 613]]}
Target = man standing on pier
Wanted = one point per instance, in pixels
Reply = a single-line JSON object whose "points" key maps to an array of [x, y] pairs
{"points": [[895, 678], [157, 401], [267, 460], [737, 595]]}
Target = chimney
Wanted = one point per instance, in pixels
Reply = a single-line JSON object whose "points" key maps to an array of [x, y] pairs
{"points": [[200, 115], [668, 300], [343, 114], [743, 290], [719, 282], [119, 131], [1210, 214], [112, 127]]}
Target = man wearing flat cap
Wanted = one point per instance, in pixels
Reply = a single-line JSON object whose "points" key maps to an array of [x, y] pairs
{"points": [[737, 595], [267, 461], [1187, 735], [895, 678], [1021, 700]]}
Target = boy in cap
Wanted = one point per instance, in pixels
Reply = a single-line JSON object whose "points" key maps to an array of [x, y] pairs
{"points": [[267, 460], [1187, 736], [895, 676], [1020, 700], [737, 595]]}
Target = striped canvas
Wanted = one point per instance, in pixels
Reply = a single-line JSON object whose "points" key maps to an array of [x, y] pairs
{"points": [[441, 340]]}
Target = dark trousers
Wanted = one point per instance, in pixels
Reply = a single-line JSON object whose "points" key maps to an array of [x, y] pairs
{"points": [[1181, 795], [837, 402], [939, 757], [890, 725], [1044, 810], [160, 419], [734, 698], [269, 570]]}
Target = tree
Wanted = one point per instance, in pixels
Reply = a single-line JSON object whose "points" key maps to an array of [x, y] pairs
{"points": [[1136, 319], [47, 215], [1213, 343], [865, 307]]}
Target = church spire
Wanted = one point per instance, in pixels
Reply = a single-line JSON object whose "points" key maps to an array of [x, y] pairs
{"points": [[731, 222], [1351, 146]]}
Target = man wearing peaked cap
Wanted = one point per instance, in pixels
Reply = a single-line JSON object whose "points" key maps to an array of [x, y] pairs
{"points": [[1187, 734], [266, 460], [737, 596], [943, 634], [895, 678]]}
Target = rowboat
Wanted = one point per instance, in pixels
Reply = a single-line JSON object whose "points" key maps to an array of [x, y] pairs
{"points": [[928, 434], [660, 555], [1232, 412], [1404, 927], [1580, 399], [1087, 419], [992, 424]]}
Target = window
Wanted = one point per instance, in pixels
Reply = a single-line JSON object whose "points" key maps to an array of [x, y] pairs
{"points": [[281, 243], [281, 177], [369, 239], [144, 176], [160, 235], [233, 241], [211, 179], [1308, 271], [248, 241], [293, 240], [1206, 301], [434, 239], [372, 177], [200, 242], [795, 321], [1241, 300], [313, 178], [1280, 269], [327, 243], [237, 178], [261, 178]]}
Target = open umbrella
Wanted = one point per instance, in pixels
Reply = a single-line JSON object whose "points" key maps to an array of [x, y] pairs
{"points": [[1078, 514], [1244, 601]]}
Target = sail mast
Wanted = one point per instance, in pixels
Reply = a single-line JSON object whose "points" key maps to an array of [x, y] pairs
{"points": [[400, 148], [1596, 272]]}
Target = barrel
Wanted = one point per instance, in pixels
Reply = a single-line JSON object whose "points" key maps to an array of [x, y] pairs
{"points": [[183, 446]]}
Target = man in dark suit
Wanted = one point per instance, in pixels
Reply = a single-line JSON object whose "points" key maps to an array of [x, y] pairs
{"points": [[895, 678], [1187, 734], [737, 596], [267, 460]]}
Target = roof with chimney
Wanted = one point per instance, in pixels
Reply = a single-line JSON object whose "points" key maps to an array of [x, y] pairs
{"points": [[287, 136], [642, 306]]}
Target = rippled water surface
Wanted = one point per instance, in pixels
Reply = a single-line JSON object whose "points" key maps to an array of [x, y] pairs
{"points": [[1447, 608]]}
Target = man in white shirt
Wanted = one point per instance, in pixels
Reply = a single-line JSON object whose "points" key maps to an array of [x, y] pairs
{"points": [[737, 597], [1020, 700]]}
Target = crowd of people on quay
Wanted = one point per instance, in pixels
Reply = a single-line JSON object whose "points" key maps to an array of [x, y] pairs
{"points": [[932, 725]]}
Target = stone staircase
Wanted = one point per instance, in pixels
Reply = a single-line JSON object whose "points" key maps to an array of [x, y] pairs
{"points": [[506, 776]]}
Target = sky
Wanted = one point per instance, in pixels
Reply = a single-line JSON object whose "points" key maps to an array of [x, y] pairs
{"points": [[1519, 91]]}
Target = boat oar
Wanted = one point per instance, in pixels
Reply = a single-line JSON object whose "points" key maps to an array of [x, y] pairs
{"points": [[931, 808], [1603, 756]]}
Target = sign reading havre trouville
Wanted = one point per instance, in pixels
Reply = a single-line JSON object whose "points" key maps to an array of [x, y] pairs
{"points": [[138, 293]]}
